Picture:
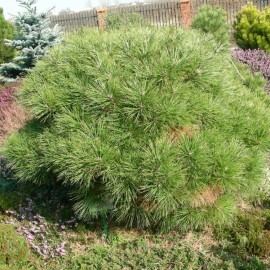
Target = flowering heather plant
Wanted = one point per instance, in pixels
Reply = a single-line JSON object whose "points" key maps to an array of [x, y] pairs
{"points": [[12, 117], [6, 96], [258, 60], [38, 233]]}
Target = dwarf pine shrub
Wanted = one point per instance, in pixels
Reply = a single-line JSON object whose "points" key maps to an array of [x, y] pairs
{"points": [[212, 20], [156, 127]]}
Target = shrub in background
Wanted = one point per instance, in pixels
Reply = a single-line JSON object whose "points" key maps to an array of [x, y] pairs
{"points": [[213, 20], [116, 20], [33, 39], [6, 32], [252, 28], [154, 126]]}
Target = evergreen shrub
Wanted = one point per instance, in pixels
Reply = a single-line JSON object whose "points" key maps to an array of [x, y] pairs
{"points": [[33, 39], [115, 20], [156, 127], [213, 20], [6, 32], [252, 28]]}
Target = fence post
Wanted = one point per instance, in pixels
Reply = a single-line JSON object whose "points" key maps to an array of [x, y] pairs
{"points": [[185, 13], [101, 12]]}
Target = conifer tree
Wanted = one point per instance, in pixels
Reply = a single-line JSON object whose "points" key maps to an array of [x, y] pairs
{"points": [[153, 126], [6, 32], [34, 38]]}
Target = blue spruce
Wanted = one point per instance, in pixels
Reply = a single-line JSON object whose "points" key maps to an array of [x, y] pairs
{"points": [[33, 39]]}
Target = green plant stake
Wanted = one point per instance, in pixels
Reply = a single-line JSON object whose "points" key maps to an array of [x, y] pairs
{"points": [[104, 223]]}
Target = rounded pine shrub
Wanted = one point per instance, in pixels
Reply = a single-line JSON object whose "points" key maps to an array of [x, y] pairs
{"points": [[212, 20], [152, 126], [252, 28]]}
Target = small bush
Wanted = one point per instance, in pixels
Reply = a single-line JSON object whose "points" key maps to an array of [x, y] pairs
{"points": [[252, 28], [116, 20], [213, 20], [6, 32], [153, 126], [13, 248]]}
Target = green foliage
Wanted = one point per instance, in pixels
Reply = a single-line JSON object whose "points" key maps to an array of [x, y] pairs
{"points": [[33, 39], [6, 32], [252, 28], [138, 255], [13, 248], [119, 20], [160, 252], [9, 200], [157, 127], [7, 181], [250, 233], [213, 20]]}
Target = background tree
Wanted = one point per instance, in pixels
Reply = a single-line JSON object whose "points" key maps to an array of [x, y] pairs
{"points": [[33, 39], [6, 32]]}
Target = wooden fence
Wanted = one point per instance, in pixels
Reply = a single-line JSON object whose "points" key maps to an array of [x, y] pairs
{"points": [[71, 21], [159, 14], [172, 13]]}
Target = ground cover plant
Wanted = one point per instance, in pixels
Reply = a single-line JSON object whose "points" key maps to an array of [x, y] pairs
{"points": [[252, 28], [154, 127], [258, 60], [60, 241], [14, 251]]}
